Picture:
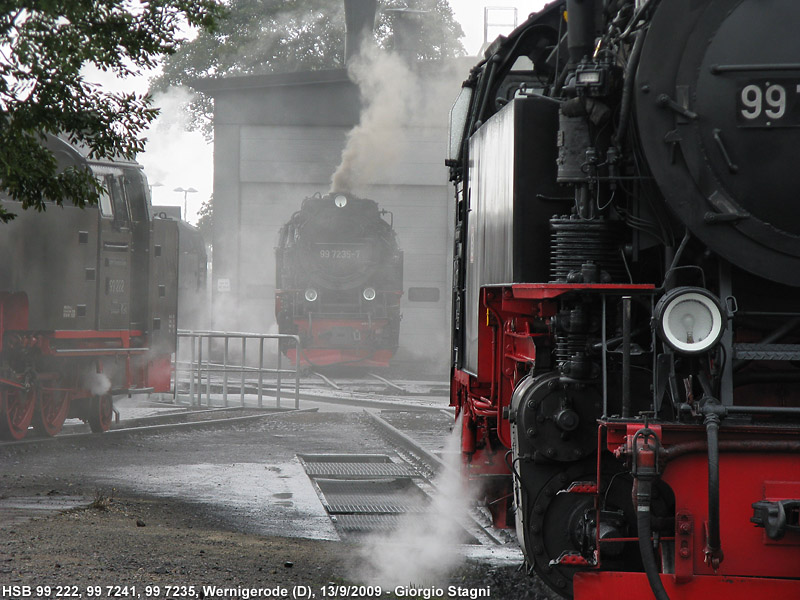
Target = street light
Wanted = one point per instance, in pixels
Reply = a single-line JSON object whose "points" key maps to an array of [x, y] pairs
{"points": [[186, 192]]}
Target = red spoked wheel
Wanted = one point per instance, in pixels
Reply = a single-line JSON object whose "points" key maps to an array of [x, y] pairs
{"points": [[100, 412], [51, 412], [16, 412]]}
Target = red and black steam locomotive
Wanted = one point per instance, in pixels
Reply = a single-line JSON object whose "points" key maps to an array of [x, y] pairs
{"points": [[88, 302], [339, 280], [626, 325]]}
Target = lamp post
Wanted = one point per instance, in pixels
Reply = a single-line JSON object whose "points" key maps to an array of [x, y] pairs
{"points": [[186, 193]]}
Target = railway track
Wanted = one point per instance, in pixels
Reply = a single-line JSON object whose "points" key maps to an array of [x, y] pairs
{"points": [[243, 407], [379, 384], [186, 419], [402, 489], [393, 484]]}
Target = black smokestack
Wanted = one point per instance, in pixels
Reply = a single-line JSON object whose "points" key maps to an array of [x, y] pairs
{"points": [[407, 28], [359, 20], [581, 29]]}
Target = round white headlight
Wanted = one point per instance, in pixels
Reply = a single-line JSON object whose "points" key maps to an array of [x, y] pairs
{"points": [[369, 293], [310, 295], [690, 320], [340, 201]]}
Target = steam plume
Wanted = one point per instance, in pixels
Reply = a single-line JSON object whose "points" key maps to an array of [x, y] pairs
{"points": [[388, 88], [425, 548], [97, 383]]}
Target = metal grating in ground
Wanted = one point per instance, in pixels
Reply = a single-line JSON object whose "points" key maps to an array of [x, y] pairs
{"points": [[376, 496], [361, 524], [345, 458], [353, 470], [365, 493], [369, 493]]}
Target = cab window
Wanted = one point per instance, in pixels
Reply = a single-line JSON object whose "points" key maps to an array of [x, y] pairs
{"points": [[118, 200], [136, 190], [105, 199]]}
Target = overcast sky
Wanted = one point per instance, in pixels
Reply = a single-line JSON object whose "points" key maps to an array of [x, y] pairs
{"points": [[177, 158]]}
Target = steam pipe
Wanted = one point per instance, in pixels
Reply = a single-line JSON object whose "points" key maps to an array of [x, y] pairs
{"points": [[627, 92], [626, 357], [581, 30], [713, 551], [643, 494], [765, 446], [675, 260], [645, 469]]}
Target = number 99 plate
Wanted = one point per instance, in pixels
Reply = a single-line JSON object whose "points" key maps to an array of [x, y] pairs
{"points": [[768, 103]]}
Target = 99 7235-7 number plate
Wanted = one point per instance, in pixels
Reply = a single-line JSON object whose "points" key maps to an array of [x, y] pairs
{"points": [[768, 103]]}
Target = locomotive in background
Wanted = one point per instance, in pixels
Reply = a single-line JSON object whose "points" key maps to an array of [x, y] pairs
{"points": [[339, 276], [194, 299], [88, 304], [631, 402]]}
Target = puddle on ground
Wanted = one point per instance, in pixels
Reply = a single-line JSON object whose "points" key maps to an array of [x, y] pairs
{"points": [[253, 494]]}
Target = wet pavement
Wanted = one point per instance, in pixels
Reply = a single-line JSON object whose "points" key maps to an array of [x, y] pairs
{"points": [[245, 477]]}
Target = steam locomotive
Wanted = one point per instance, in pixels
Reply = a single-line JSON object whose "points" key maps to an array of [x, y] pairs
{"points": [[626, 332], [88, 302], [339, 280]]}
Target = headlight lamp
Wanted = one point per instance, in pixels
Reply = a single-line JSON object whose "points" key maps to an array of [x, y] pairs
{"points": [[690, 320]]}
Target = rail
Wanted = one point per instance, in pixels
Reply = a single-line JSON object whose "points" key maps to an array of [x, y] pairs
{"points": [[208, 363]]}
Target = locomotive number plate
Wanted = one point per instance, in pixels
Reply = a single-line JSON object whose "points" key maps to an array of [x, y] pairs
{"points": [[339, 252], [768, 103]]}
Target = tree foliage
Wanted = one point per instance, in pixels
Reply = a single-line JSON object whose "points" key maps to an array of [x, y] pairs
{"points": [[44, 45], [205, 219], [273, 36]]}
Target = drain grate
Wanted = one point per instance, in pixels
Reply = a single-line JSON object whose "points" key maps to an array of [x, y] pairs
{"points": [[361, 524], [368, 493], [377, 496], [352, 470]]}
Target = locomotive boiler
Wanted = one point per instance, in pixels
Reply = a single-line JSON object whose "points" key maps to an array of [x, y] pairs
{"points": [[87, 302], [339, 275], [626, 332]]}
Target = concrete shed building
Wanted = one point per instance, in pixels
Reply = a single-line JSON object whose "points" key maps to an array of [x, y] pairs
{"points": [[279, 138]]}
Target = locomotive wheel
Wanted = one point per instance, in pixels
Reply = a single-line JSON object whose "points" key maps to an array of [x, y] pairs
{"points": [[16, 412], [51, 412], [555, 522], [100, 411]]}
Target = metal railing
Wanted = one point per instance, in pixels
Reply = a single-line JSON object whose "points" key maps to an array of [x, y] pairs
{"points": [[209, 361]]}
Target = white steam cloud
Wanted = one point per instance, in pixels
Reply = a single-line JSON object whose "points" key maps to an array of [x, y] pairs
{"points": [[425, 548], [388, 89], [175, 157], [97, 383]]}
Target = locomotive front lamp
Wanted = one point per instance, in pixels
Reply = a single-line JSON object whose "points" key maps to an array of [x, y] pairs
{"points": [[310, 295], [689, 319], [369, 294], [340, 201]]}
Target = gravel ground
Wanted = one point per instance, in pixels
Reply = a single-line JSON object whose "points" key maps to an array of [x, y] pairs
{"points": [[169, 510]]}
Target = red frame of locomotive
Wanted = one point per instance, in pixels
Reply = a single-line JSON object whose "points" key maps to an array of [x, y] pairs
{"points": [[756, 463], [318, 355], [87, 345]]}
